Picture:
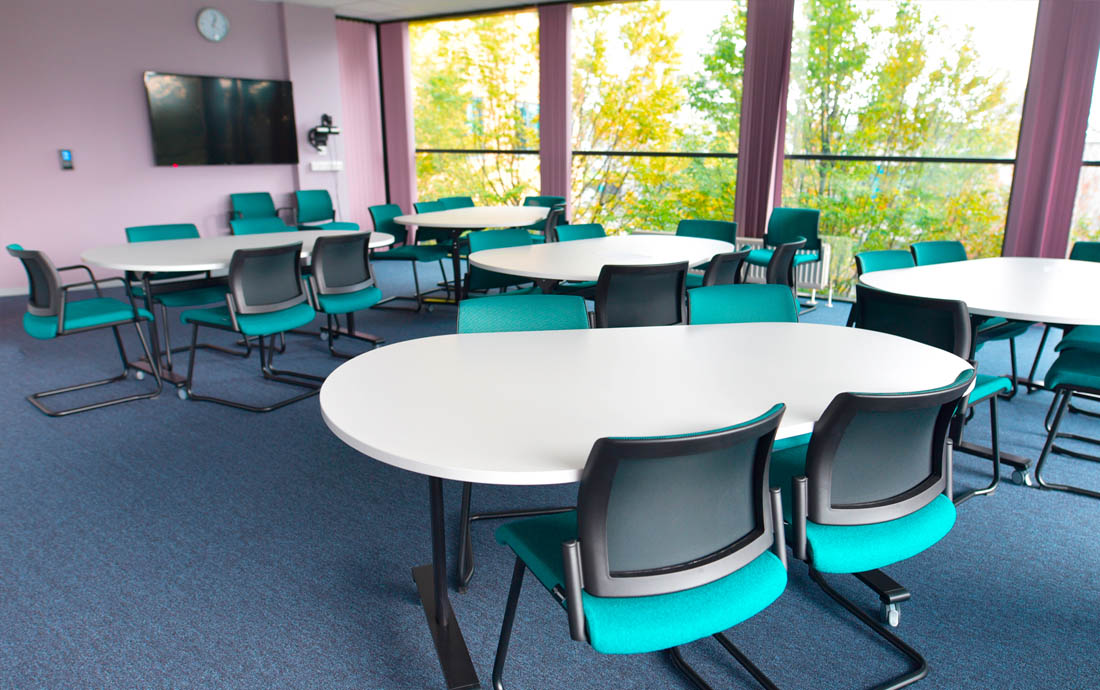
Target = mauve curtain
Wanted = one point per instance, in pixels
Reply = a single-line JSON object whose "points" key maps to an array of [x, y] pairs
{"points": [[555, 99], [361, 131], [1052, 128], [397, 113], [763, 113]]}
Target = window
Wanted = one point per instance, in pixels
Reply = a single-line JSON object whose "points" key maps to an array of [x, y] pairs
{"points": [[656, 105], [902, 121], [476, 84]]}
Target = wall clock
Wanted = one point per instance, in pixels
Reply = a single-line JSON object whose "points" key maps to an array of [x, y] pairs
{"points": [[212, 24]]}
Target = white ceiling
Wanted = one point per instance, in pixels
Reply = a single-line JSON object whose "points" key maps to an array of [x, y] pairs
{"points": [[390, 10]]}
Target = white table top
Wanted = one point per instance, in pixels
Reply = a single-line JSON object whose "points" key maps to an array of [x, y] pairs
{"points": [[533, 403], [476, 217], [1029, 289], [583, 259], [205, 253]]}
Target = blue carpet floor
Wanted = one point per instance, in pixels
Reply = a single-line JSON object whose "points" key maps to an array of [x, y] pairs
{"points": [[180, 544]]}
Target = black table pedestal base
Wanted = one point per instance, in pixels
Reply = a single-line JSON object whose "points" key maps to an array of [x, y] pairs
{"points": [[454, 657]]}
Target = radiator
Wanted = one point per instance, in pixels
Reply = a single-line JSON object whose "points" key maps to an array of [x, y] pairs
{"points": [[810, 276]]}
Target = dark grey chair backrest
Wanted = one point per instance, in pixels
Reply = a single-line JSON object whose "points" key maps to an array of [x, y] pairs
{"points": [[44, 297], [942, 323], [341, 263], [876, 457], [650, 295], [266, 280], [780, 269], [725, 269], [554, 218], [664, 514]]}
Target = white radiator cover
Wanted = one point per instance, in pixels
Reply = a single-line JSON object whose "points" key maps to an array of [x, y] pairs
{"points": [[810, 276]]}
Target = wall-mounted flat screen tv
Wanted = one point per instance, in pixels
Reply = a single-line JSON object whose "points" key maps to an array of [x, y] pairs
{"points": [[220, 120]]}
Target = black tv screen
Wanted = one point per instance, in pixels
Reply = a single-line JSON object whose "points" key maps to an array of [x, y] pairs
{"points": [[220, 120]]}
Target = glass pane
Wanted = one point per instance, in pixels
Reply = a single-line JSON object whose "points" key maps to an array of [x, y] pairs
{"points": [[651, 193], [491, 179], [658, 76], [476, 82], [867, 206], [909, 77]]}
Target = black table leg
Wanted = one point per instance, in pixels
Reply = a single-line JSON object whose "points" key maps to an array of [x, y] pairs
{"points": [[369, 337], [431, 582], [166, 373]]}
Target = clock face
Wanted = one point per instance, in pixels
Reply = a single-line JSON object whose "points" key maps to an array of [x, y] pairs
{"points": [[212, 24]]}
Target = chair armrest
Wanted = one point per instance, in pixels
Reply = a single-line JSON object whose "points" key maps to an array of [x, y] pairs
{"points": [[122, 281], [574, 582], [799, 510], [779, 539], [80, 267]]}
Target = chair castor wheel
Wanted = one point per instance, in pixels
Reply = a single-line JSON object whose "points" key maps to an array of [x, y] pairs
{"points": [[139, 374], [181, 393], [890, 614], [323, 335], [430, 308], [1022, 478]]}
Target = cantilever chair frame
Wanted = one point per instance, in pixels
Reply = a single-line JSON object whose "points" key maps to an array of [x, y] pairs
{"points": [[237, 303], [57, 301]]}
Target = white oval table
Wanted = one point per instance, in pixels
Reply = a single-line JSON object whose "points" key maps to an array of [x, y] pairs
{"points": [[459, 220], [1022, 288], [1051, 291], [535, 402], [193, 255], [582, 260]]}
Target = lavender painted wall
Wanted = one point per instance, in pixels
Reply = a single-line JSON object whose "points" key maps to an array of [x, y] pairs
{"points": [[72, 78]]}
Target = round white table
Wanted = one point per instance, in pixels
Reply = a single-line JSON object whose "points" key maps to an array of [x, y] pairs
{"points": [[459, 220], [1055, 291], [582, 260], [535, 402], [205, 253], [193, 255]]}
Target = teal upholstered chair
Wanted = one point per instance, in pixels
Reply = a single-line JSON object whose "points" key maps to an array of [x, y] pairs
{"points": [[382, 215], [640, 295], [253, 205], [937, 252], [545, 201], [1075, 372], [341, 284], [788, 225], [724, 230], [987, 329], [945, 324], [256, 226], [1081, 251], [316, 212], [266, 297], [741, 304], [175, 289], [872, 488], [726, 268], [50, 313], [880, 260], [498, 314], [548, 202], [450, 202], [883, 260], [674, 539], [582, 231], [479, 280]]}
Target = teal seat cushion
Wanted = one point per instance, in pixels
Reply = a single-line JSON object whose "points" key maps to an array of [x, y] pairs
{"points": [[252, 324], [531, 290], [635, 625], [761, 257], [1075, 368], [996, 328], [858, 548], [349, 302], [331, 225], [986, 386], [693, 280], [1080, 338], [416, 252], [192, 298], [85, 313]]}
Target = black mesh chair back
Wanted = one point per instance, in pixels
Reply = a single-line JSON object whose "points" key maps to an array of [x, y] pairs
{"points": [[942, 323], [650, 295], [658, 515], [725, 269], [341, 263], [780, 269], [875, 457], [266, 280], [554, 218], [44, 298]]}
